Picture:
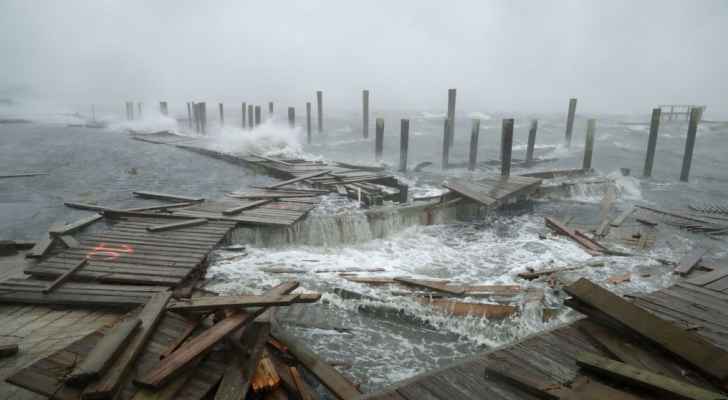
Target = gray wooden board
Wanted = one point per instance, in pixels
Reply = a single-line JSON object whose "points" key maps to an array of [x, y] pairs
{"points": [[690, 260]]}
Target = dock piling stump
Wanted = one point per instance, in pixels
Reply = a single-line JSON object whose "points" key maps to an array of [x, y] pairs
{"points": [[473, 156], [308, 122], [222, 114], [251, 117], [531, 141], [379, 139], [270, 108], [451, 94], [258, 117], [403, 145], [365, 114], [589, 144], [570, 121], [320, 110], [506, 146], [163, 108], [652, 142], [695, 114], [446, 145], [244, 111], [291, 117], [189, 115]]}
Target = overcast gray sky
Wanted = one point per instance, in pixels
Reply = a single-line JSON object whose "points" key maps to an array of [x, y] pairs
{"points": [[616, 56]]}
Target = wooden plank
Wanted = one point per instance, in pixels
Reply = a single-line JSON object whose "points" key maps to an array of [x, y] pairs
{"points": [[8, 349], [41, 248], [163, 206], [239, 209], [331, 378], [69, 241], [619, 220], [463, 309], [646, 379], [176, 225], [689, 261], [102, 355], [85, 206], [64, 277], [431, 285], [688, 346], [470, 192], [531, 275], [248, 352], [73, 227], [167, 196], [540, 389], [218, 302], [266, 378], [301, 386], [110, 383], [231, 386], [561, 228], [298, 179]]}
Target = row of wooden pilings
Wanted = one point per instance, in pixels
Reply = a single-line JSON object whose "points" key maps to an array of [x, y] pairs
{"points": [[251, 118]]}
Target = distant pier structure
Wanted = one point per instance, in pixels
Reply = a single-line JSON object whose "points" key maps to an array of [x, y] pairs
{"points": [[677, 112]]}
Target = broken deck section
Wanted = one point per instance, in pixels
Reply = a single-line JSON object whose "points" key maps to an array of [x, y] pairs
{"points": [[493, 192]]}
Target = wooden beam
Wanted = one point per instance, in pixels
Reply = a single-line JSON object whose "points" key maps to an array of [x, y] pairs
{"points": [[690, 260], [239, 209], [331, 378], [69, 241], [250, 350], [540, 389], [73, 227], [167, 196], [110, 383], [645, 379], [102, 355], [688, 346], [218, 302], [616, 222], [298, 179], [438, 287], [591, 246], [177, 225], [64, 277], [41, 248]]}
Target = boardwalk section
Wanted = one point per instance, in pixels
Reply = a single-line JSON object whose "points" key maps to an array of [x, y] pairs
{"points": [[554, 364], [493, 192]]}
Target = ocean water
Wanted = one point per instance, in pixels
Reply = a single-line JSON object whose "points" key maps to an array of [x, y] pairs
{"points": [[384, 335]]}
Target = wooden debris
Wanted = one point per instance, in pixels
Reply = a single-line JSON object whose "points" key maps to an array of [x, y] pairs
{"points": [[41, 248], [531, 275], [465, 309], [533, 386], [689, 261], [647, 222], [68, 241], [371, 280], [619, 220], [239, 209], [709, 277], [102, 355], [493, 191], [167, 196], [617, 279], [693, 349], [589, 245], [438, 287], [111, 381], [331, 378], [73, 227], [605, 206], [177, 225], [163, 206], [22, 174], [64, 277], [298, 179], [217, 302], [300, 384], [266, 378], [643, 378], [251, 349], [231, 386], [8, 349]]}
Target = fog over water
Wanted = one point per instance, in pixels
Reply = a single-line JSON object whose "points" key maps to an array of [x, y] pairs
{"points": [[616, 57]]}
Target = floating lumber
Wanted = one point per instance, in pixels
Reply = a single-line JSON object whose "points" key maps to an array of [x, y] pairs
{"points": [[531, 275], [111, 381], [709, 277], [268, 195], [73, 227], [217, 302], [688, 346], [619, 220], [493, 191], [64, 277], [643, 378], [177, 225], [463, 309], [291, 190], [331, 378], [167, 196], [41, 248], [298, 179], [710, 207], [689, 261], [438, 287], [589, 245], [266, 378], [371, 280], [103, 354], [22, 175], [175, 363], [239, 209]]}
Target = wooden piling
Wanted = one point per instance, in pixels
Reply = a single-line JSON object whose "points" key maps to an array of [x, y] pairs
{"points": [[139, 109], [196, 116], [403, 145], [251, 116], [129, 111], [506, 146], [695, 115], [365, 113], [652, 142], [320, 110], [270, 108], [189, 115], [451, 94], [244, 111], [222, 114], [446, 145], [291, 117], [203, 118], [379, 139], [163, 108], [531, 141], [589, 144], [258, 117], [308, 122], [473, 156], [570, 121]]}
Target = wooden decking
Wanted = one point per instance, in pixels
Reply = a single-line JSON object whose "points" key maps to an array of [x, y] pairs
{"points": [[274, 213], [493, 192], [549, 358], [129, 254]]}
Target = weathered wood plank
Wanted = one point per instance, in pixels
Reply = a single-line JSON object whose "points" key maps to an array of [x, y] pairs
{"points": [[217, 302], [298, 179], [591, 246], [176, 225], [41, 248], [110, 383], [619, 220], [643, 378], [69, 241], [239, 209], [709, 277], [688, 346], [431, 285], [64, 277], [167, 196], [102, 355], [75, 226], [689, 261]]}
